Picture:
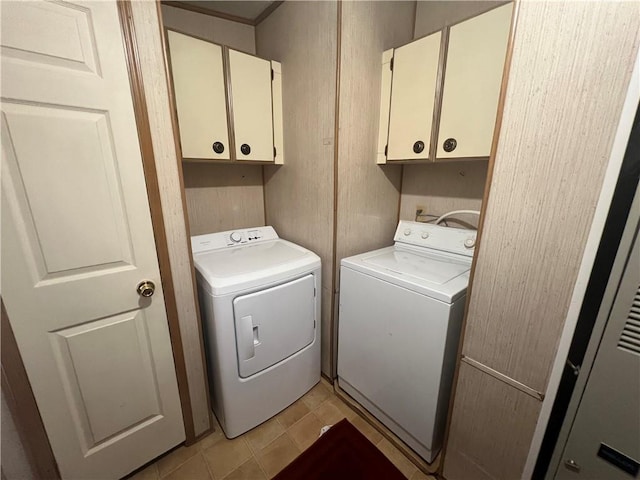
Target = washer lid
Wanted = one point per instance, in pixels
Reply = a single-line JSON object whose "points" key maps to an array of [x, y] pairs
{"points": [[432, 267], [439, 275], [234, 268]]}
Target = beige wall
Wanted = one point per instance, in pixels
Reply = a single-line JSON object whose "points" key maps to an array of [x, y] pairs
{"points": [[440, 188], [299, 194], [443, 187], [432, 16], [223, 197], [219, 197], [152, 66], [218, 30], [546, 182], [368, 194]]}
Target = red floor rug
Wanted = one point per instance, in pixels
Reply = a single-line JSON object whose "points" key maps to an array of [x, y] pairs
{"points": [[341, 453]]}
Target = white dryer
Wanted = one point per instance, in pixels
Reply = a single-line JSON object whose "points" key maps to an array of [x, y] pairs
{"points": [[401, 310], [260, 304]]}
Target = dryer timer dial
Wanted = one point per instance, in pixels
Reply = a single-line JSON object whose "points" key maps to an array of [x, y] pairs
{"points": [[235, 237]]}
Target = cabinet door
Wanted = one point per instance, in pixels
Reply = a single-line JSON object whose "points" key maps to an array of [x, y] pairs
{"points": [[251, 106], [473, 76], [198, 81], [276, 96], [415, 72]]}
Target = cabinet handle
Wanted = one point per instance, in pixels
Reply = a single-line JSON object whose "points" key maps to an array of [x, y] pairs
{"points": [[450, 144], [418, 147], [245, 149], [218, 147]]}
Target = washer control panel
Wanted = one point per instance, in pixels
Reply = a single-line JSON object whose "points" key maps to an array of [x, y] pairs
{"points": [[447, 239], [231, 238]]}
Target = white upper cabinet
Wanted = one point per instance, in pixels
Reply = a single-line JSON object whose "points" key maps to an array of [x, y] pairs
{"points": [[251, 106], [229, 103], [415, 73], [444, 106], [201, 104], [475, 62]]}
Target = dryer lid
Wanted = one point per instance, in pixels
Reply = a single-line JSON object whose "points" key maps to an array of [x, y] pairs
{"points": [[241, 265]]}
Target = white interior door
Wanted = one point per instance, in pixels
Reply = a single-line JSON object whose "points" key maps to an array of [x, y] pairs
{"points": [[252, 106], [77, 239]]}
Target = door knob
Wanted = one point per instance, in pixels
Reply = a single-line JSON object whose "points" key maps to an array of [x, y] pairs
{"points": [[146, 288], [418, 147], [245, 149]]}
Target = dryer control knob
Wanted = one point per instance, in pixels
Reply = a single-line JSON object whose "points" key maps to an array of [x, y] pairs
{"points": [[407, 232], [425, 235], [470, 242], [235, 237]]}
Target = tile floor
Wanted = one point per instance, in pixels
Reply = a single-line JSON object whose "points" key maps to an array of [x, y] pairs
{"points": [[264, 451]]}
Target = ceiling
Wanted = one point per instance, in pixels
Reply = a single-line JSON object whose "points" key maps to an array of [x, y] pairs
{"points": [[246, 9]]}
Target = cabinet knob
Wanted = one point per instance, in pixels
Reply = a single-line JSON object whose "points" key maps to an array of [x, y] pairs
{"points": [[418, 147], [245, 149], [450, 144], [218, 147]]}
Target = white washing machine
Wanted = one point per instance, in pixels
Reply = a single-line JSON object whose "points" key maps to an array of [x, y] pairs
{"points": [[401, 310], [260, 304]]}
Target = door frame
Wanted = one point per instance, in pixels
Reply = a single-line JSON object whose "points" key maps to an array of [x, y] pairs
{"points": [[15, 383]]}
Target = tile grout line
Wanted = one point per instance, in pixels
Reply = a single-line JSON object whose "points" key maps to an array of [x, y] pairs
{"points": [[261, 467], [160, 476], [255, 455], [207, 464], [331, 400]]}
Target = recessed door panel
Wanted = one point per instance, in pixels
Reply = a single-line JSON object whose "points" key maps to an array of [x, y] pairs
{"points": [[65, 34], [107, 369], [273, 324], [68, 140], [251, 105]]}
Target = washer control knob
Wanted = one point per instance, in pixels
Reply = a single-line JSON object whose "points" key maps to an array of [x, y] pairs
{"points": [[235, 237], [425, 235], [407, 232], [470, 242]]}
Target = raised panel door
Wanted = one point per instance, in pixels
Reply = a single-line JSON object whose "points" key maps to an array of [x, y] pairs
{"points": [[77, 239]]}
